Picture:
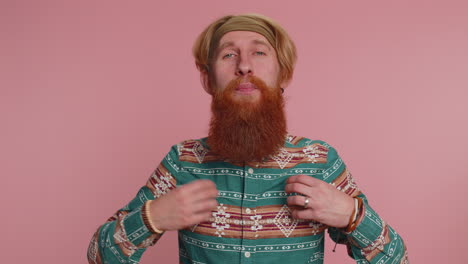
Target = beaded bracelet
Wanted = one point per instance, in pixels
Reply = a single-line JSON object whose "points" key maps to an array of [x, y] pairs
{"points": [[145, 215]]}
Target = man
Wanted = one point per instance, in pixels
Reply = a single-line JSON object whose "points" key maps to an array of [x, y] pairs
{"points": [[249, 192]]}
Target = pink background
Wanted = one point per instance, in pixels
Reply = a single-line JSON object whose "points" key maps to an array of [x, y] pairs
{"points": [[94, 93]]}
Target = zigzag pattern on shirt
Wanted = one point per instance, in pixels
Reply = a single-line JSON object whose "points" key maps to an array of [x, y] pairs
{"points": [[377, 245], [193, 151], [345, 183], [120, 237], [93, 250], [294, 139], [405, 259], [271, 221], [161, 181]]}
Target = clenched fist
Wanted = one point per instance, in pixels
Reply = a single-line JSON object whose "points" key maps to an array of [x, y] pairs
{"points": [[184, 206]]}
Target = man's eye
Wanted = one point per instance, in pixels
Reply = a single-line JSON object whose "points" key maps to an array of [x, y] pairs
{"points": [[229, 55]]}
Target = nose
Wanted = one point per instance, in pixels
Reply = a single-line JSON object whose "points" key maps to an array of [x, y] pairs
{"points": [[244, 67]]}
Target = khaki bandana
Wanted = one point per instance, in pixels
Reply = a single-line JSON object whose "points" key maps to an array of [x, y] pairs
{"points": [[242, 24]]}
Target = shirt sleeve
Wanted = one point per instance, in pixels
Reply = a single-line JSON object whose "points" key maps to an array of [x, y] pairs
{"points": [[124, 237], [373, 240]]}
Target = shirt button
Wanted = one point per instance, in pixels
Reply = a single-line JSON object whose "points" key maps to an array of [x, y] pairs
{"points": [[250, 170], [247, 254], [248, 210]]}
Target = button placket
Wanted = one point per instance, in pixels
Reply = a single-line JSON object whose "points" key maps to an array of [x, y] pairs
{"points": [[250, 214]]}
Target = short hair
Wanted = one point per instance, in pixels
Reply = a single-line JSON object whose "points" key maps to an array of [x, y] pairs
{"points": [[207, 42]]}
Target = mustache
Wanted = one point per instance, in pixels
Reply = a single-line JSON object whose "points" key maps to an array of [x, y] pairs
{"points": [[255, 81]]}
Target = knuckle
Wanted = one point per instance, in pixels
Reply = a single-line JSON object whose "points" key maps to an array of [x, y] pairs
{"points": [[295, 213], [321, 192], [201, 182], [207, 183], [207, 215], [211, 183], [292, 200], [214, 193], [321, 183], [210, 214], [299, 189], [293, 187], [207, 207], [304, 178], [318, 214], [202, 218], [299, 200], [301, 214]]}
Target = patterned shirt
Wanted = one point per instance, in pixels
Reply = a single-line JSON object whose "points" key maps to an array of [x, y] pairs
{"points": [[252, 222]]}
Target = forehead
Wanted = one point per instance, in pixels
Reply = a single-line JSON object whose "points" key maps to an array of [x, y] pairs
{"points": [[242, 38]]}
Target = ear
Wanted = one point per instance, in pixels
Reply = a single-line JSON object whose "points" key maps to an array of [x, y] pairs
{"points": [[205, 81], [285, 83]]}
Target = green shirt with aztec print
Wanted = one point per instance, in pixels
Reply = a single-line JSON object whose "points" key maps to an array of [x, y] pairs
{"points": [[252, 222]]}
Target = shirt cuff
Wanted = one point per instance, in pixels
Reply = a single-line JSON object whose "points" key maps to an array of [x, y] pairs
{"points": [[370, 231], [136, 230]]}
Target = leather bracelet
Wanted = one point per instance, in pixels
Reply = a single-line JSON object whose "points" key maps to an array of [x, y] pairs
{"points": [[353, 219], [145, 215], [356, 210]]}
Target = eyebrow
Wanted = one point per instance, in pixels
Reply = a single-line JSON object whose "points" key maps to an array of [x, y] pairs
{"points": [[255, 41]]}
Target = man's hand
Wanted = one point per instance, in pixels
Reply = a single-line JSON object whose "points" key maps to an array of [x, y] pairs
{"points": [[327, 205], [184, 206]]}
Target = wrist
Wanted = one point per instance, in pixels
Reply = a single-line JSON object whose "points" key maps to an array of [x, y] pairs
{"points": [[355, 216], [146, 215]]}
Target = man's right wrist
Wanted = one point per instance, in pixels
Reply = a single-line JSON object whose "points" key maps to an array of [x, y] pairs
{"points": [[145, 213]]}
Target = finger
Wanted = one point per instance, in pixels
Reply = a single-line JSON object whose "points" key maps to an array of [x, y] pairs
{"points": [[298, 200], [302, 214], [304, 179], [201, 217], [204, 206], [298, 188], [198, 191], [204, 195], [199, 186]]}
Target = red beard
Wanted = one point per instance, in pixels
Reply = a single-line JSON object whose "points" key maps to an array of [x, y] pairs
{"points": [[242, 130]]}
